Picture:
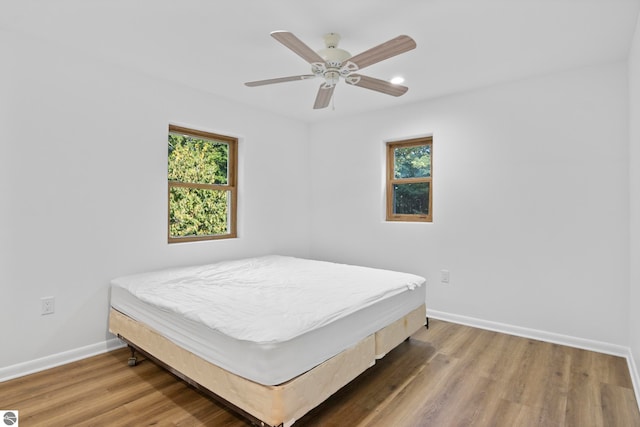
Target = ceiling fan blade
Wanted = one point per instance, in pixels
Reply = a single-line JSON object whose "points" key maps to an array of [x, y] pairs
{"points": [[376, 84], [324, 96], [383, 51], [297, 46], [280, 80]]}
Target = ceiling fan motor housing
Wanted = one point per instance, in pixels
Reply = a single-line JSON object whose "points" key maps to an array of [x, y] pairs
{"points": [[332, 54], [334, 58]]}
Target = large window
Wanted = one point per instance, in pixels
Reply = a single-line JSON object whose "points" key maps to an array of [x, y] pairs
{"points": [[202, 185], [409, 180]]}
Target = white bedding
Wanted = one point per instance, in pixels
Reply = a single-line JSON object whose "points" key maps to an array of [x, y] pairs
{"points": [[271, 318]]}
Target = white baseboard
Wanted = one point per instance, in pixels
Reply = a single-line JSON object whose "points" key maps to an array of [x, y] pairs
{"points": [[635, 377], [37, 365], [599, 346]]}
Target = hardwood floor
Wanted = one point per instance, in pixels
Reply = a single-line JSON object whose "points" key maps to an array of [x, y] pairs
{"points": [[448, 375]]}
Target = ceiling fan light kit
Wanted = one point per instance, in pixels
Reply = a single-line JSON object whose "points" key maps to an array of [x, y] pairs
{"points": [[333, 63]]}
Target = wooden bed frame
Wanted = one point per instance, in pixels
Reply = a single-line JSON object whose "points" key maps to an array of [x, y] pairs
{"points": [[279, 405]]}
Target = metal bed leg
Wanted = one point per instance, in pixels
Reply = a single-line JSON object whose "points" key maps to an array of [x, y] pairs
{"points": [[133, 360], [427, 324]]}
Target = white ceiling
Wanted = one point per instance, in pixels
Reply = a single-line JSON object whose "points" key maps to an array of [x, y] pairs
{"points": [[216, 46]]}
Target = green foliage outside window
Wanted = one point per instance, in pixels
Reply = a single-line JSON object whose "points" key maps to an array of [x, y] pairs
{"points": [[197, 160], [412, 162], [411, 199], [197, 212], [409, 180], [194, 164]]}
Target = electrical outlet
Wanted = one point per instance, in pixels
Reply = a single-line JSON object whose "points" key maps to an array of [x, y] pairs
{"points": [[444, 276], [48, 305]]}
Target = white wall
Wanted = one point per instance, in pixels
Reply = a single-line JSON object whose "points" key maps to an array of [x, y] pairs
{"points": [[634, 194], [83, 157], [530, 201]]}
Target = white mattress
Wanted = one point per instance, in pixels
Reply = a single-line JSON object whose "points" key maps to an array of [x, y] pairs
{"points": [[267, 319]]}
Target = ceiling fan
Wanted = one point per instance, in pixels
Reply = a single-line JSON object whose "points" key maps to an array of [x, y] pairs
{"points": [[332, 63]]}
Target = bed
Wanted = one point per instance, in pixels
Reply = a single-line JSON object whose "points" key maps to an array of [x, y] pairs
{"points": [[271, 336]]}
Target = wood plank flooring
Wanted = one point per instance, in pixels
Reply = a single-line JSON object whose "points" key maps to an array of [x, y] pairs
{"points": [[449, 375]]}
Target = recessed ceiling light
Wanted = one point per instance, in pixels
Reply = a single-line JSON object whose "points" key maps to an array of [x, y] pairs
{"points": [[397, 80]]}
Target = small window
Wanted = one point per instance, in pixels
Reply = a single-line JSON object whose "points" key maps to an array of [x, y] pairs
{"points": [[202, 185], [409, 180]]}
